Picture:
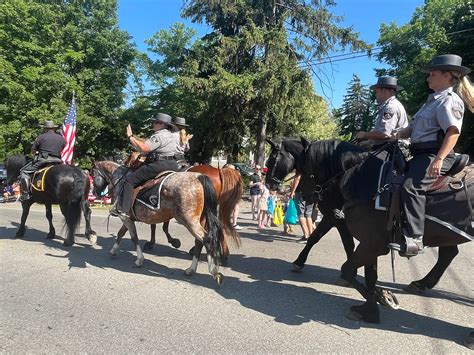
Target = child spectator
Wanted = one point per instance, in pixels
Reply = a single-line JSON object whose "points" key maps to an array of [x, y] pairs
{"points": [[263, 205], [272, 200]]}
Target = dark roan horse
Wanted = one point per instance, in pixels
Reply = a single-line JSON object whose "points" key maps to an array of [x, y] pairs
{"points": [[63, 185], [188, 197], [229, 187], [346, 173]]}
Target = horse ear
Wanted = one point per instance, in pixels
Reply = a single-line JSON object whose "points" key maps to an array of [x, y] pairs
{"points": [[269, 141], [306, 143]]}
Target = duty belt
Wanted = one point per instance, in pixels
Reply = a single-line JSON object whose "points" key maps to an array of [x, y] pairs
{"points": [[430, 147]]}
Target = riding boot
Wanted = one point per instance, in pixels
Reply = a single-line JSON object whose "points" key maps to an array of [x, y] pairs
{"points": [[123, 203], [25, 187]]}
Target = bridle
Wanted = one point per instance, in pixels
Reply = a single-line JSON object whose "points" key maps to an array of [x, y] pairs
{"points": [[277, 148]]}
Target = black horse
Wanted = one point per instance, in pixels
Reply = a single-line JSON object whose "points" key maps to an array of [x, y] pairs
{"points": [[65, 185], [284, 158], [328, 164]]}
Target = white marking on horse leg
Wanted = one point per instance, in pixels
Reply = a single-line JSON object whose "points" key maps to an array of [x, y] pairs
{"points": [[93, 239], [192, 269], [140, 257], [213, 267], [114, 249]]}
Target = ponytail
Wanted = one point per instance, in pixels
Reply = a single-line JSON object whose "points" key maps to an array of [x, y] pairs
{"points": [[464, 88]]}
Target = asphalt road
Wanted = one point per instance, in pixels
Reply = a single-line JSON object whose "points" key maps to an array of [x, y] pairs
{"points": [[79, 299]]}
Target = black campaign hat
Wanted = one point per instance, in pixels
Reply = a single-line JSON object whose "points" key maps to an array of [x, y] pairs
{"points": [[49, 124], [388, 82], [180, 121], [161, 118], [446, 62]]}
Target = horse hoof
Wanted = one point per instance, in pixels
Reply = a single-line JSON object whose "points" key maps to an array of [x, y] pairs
{"points": [[364, 313], [51, 236], [93, 239], [387, 298], [297, 268], [343, 283], [148, 246], [176, 243], [18, 235], [138, 263], [219, 278], [415, 287], [188, 272], [67, 243]]}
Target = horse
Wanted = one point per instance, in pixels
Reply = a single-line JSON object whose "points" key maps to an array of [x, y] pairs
{"points": [[350, 174], [283, 159], [65, 185], [229, 187], [188, 197]]}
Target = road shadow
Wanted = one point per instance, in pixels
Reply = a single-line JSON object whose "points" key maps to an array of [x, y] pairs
{"points": [[266, 290]]}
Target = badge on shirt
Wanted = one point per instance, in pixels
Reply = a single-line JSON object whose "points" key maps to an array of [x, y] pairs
{"points": [[388, 114], [457, 110]]}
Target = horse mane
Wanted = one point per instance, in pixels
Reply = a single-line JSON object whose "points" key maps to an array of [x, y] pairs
{"points": [[334, 156]]}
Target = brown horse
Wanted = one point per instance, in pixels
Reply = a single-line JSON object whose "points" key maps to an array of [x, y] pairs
{"points": [[188, 197], [228, 185]]}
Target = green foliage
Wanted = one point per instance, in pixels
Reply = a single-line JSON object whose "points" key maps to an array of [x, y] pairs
{"points": [[438, 27], [356, 113], [50, 50], [243, 81]]}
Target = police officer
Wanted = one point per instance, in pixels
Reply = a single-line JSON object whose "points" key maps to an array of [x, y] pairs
{"points": [[46, 149], [434, 131], [182, 140], [391, 115], [160, 149]]}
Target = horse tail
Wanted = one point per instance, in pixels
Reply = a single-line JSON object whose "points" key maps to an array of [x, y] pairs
{"points": [[232, 188], [73, 210], [214, 230]]}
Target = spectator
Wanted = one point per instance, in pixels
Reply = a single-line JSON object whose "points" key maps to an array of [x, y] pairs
{"points": [[263, 205], [305, 210], [272, 200], [255, 183]]}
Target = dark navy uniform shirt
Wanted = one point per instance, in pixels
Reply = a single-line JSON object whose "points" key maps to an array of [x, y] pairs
{"points": [[49, 142]]}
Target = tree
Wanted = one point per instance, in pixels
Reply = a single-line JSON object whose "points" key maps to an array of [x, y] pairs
{"points": [[50, 49], [244, 79], [438, 27], [356, 113]]}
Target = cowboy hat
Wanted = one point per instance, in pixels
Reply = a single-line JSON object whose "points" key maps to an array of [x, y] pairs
{"points": [[49, 124], [180, 121], [446, 62], [388, 82], [161, 118]]}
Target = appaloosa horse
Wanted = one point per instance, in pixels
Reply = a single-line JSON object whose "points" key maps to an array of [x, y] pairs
{"points": [[65, 185], [190, 198]]}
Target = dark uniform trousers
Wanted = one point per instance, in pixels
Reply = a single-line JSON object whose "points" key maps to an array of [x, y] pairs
{"points": [[141, 175], [413, 191]]}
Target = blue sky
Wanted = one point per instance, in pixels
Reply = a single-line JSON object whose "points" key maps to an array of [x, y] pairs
{"points": [[142, 18]]}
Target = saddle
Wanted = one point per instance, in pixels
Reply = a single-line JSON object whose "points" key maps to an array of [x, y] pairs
{"points": [[148, 194], [37, 181]]}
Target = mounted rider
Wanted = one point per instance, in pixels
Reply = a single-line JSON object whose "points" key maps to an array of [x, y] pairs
{"points": [[391, 115], [160, 150], [434, 131], [182, 140], [46, 149]]}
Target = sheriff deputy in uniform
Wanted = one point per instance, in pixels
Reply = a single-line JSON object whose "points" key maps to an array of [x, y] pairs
{"points": [[160, 149], [182, 140], [391, 115], [46, 149], [434, 131]]}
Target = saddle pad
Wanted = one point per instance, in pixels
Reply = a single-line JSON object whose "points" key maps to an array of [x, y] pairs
{"points": [[37, 182], [149, 192]]}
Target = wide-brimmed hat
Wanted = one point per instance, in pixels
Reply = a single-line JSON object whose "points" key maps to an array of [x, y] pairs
{"points": [[49, 124], [451, 62], [180, 121], [161, 118], [388, 82]]}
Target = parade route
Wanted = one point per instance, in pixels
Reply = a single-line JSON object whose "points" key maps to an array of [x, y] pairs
{"points": [[81, 300]]}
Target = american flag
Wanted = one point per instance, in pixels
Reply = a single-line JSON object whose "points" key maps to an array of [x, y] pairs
{"points": [[69, 133]]}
